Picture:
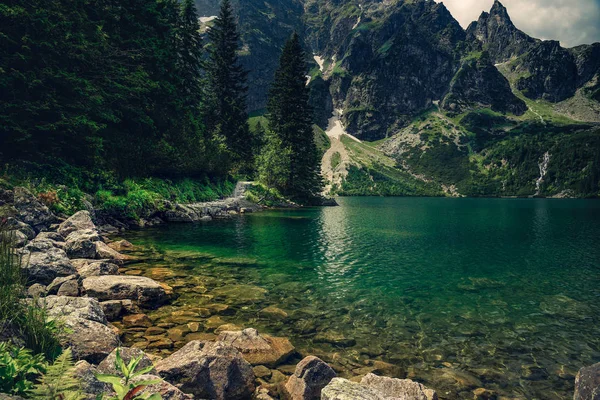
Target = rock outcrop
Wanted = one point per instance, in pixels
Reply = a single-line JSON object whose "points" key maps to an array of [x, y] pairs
{"points": [[587, 383], [89, 340], [310, 377], [118, 287], [31, 211], [209, 370], [258, 349]]}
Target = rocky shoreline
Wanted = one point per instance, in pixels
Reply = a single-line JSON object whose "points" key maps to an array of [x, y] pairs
{"points": [[74, 270]]}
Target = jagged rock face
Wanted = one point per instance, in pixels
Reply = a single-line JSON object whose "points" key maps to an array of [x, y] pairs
{"points": [[498, 35], [394, 61], [550, 73], [479, 84], [587, 59]]}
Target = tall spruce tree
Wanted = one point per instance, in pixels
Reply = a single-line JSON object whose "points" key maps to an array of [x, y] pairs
{"points": [[227, 89], [290, 118], [190, 53]]}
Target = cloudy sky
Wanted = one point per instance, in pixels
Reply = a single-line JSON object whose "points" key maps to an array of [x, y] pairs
{"points": [[572, 22]]}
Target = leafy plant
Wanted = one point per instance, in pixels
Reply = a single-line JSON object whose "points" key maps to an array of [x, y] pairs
{"points": [[12, 280], [18, 368], [126, 387], [59, 381]]}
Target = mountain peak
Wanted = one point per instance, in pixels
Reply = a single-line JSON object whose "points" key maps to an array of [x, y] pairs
{"points": [[498, 10]]}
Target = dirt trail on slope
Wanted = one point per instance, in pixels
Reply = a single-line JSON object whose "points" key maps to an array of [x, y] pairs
{"points": [[335, 175]]}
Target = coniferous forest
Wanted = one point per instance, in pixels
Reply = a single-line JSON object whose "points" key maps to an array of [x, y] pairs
{"points": [[133, 90]]}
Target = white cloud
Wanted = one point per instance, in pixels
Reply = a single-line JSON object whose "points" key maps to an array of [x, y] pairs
{"points": [[572, 22]]}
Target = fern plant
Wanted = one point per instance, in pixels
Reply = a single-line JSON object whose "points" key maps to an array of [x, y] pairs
{"points": [[59, 382], [125, 386]]}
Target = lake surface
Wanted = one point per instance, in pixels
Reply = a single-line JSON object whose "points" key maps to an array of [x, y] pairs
{"points": [[460, 294]]}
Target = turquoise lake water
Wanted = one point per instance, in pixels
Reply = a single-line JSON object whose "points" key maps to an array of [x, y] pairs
{"points": [[460, 294]]}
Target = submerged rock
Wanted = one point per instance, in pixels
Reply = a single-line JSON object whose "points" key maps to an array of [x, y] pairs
{"points": [[209, 370], [310, 377], [587, 383], [258, 349], [241, 293], [121, 287], [334, 338]]}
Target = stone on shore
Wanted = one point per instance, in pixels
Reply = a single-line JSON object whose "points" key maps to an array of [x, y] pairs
{"points": [[86, 267], [105, 252], [398, 388], [310, 377], [107, 366], [89, 340], [31, 211], [90, 385], [124, 287], [44, 264], [82, 244], [79, 221], [57, 283], [587, 383], [114, 309], [343, 389], [77, 307], [163, 388], [258, 349], [209, 370]]}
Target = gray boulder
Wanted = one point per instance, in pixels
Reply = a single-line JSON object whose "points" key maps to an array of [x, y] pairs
{"points": [[107, 366], [76, 307], [50, 236], [392, 388], [89, 340], [36, 290], [343, 389], [57, 283], [31, 211], [82, 244], [44, 264], [211, 370], [103, 251], [310, 377], [115, 309], [79, 221], [587, 383], [163, 388], [86, 267], [13, 224], [117, 287]]}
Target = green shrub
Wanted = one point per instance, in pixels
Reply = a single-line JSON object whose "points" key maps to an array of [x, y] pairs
{"points": [[59, 381], [18, 369]]}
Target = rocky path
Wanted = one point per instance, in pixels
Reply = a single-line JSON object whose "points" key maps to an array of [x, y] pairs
{"points": [[335, 175]]}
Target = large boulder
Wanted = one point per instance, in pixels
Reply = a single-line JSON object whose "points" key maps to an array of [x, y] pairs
{"points": [[104, 251], [31, 211], [587, 383], [392, 388], [13, 224], [89, 340], [82, 244], [343, 389], [114, 309], [211, 370], [77, 307], [310, 377], [163, 388], [86, 267], [45, 263], [79, 221], [107, 366], [118, 287], [258, 349]]}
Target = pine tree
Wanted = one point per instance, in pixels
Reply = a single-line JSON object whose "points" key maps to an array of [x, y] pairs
{"points": [[226, 110], [190, 53], [290, 118]]}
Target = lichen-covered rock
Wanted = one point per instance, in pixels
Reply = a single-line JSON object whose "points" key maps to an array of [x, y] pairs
{"points": [[79, 221], [107, 366], [89, 340], [86, 267], [258, 349], [43, 264], [31, 211], [55, 237], [82, 243], [77, 307], [209, 370], [53, 287], [13, 224], [398, 388], [587, 383], [310, 377], [163, 388], [122, 287], [343, 389]]}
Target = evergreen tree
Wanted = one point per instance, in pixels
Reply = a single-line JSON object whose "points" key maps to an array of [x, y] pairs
{"points": [[290, 118], [227, 89], [190, 53]]}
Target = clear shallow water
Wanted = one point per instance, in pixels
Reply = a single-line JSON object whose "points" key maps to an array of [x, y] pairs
{"points": [[456, 293]]}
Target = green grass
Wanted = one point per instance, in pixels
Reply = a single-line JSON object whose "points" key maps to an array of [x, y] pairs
{"points": [[336, 160]]}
